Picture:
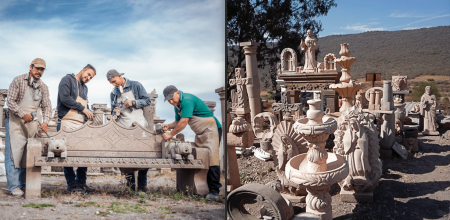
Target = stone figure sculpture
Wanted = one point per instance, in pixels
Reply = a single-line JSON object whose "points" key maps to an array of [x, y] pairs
{"points": [[57, 146], [357, 140], [309, 46], [428, 111]]}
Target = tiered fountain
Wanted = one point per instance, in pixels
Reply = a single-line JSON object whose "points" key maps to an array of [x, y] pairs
{"points": [[317, 169], [347, 88]]}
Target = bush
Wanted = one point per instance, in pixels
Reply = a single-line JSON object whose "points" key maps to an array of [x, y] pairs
{"points": [[418, 91]]}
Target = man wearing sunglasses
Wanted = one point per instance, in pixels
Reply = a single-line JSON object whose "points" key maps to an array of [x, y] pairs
{"points": [[72, 110], [27, 93], [128, 99]]}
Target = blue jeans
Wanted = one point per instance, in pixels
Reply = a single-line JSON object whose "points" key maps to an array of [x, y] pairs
{"points": [[15, 177], [72, 179], [142, 179]]}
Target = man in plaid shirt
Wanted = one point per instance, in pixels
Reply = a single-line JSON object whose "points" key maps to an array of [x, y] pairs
{"points": [[27, 93]]}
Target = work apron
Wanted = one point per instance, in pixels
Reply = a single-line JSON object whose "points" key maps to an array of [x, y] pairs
{"points": [[127, 117], [19, 131], [73, 120], [206, 135]]}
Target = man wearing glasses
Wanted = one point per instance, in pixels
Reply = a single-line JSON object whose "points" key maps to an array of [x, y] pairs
{"points": [[128, 99], [27, 93]]}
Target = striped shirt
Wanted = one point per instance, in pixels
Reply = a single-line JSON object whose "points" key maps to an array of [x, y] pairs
{"points": [[17, 90]]}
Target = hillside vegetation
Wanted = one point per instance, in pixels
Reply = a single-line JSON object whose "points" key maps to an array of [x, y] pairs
{"points": [[424, 51]]}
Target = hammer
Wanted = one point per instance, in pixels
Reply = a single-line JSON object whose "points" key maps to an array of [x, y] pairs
{"points": [[33, 114]]}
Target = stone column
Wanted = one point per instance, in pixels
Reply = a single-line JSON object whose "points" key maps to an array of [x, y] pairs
{"points": [[150, 111], [3, 94], [211, 105], [221, 91], [2, 159], [98, 113], [254, 89], [387, 132]]}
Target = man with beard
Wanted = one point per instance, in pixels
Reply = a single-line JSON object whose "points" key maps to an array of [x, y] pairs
{"points": [[27, 93], [189, 109], [72, 108], [134, 98]]}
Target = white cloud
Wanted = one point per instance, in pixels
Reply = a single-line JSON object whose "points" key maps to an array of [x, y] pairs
{"points": [[406, 15], [363, 28], [429, 18], [182, 49]]}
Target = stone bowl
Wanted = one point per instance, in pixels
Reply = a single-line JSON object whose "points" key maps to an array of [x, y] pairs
{"points": [[337, 170]]}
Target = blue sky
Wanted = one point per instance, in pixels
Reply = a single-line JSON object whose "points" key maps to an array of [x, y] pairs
{"points": [[351, 17], [157, 43]]}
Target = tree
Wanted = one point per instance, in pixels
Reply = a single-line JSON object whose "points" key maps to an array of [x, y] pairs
{"points": [[419, 90], [275, 24]]}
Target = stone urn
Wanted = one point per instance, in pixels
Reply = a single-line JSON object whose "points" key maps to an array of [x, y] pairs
{"points": [[317, 169]]}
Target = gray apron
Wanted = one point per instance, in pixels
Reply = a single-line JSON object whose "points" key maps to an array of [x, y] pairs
{"points": [[73, 120], [126, 116], [19, 131], [206, 135]]}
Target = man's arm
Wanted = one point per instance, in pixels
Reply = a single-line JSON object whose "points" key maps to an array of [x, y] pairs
{"points": [[143, 99], [177, 126], [46, 104], [64, 95], [13, 94]]}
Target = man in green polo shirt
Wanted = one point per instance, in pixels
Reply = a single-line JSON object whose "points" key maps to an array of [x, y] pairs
{"points": [[189, 109]]}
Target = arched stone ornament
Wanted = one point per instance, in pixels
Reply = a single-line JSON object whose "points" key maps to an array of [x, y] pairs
{"points": [[261, 128], [329, 62], [288, 60]]}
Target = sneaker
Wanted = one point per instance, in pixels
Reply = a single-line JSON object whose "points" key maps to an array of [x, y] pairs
{"points": [[17, 192], [143, 189], [75, 189], [87, 188], [212, 196]]}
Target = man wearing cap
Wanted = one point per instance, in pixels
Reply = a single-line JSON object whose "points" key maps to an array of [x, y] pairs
{"points": [[72, 108], [128, 99], [27, 93], [189, 109]]}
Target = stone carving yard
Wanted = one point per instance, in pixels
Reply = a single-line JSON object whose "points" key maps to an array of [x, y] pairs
{"points": [[417, 188]]}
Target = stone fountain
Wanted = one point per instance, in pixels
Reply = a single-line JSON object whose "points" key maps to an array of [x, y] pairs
{"points": [[347, 88], [317, 169]]}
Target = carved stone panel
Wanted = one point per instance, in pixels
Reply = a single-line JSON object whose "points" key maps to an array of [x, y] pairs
{"points": [[288, 60], [108, 137]]}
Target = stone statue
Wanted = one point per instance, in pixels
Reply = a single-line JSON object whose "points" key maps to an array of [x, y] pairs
{"points": [[428, 111], [357, 140], [309, 46]]}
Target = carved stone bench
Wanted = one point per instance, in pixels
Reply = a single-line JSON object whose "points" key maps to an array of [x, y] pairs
{"points": [[112, 145]]}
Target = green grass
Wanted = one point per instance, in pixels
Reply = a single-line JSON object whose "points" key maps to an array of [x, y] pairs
{"points": [[39, 205], [118, 207], [87, 204]]}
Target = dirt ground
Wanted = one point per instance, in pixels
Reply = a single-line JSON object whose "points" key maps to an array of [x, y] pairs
{"points": [[417, 188], [112, 201]]}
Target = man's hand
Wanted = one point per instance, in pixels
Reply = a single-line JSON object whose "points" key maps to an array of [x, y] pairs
{"points": [[88, 113], [43, 127], [165, 127], [167, 136], [27, 117], [116, 111], [128, 103]]}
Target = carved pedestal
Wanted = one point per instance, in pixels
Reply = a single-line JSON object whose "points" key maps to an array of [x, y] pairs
{"points": [[193, 181], [33, 174]]}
